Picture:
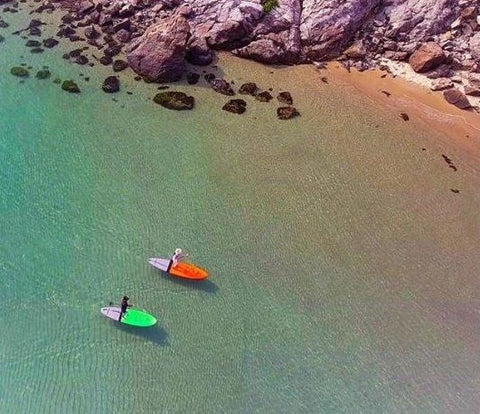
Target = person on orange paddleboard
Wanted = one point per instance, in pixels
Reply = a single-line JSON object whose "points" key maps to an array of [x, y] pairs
{"points": [[177, 256]]}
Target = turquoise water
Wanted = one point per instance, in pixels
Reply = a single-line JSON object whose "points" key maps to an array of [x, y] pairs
{"points": [[344, 272]]}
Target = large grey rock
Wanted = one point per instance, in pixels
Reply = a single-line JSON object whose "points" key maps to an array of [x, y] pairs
{"points": [[159, 54]]}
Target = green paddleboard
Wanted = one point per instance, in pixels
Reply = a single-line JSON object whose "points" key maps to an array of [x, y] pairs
{"points": [[133, 317]]}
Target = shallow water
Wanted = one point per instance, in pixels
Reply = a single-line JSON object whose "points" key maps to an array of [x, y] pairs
{"points": [[344, 270]]}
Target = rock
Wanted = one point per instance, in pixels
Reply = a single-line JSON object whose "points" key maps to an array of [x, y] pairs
{"points": [[122, 25], [36, 50], [198, 52], [70, 86], [469, 13], [75, 53], [404, 116], [43, 74], [33, 43], [355, 51], [159, 54], [81, 60], [119, 65], [174, 100], [441, 83], [209, 77], [50, 42], [427, 57], [249, 88], [474, 44], [285, 97], [19, 71], [193, 78], [457, 98], [264, 96], [222, 86], [123, 35], [91, 33], [287, 112], [236, 106], [111, 84], [35, 31], [105, 60], [472, 90], [113, 50]]}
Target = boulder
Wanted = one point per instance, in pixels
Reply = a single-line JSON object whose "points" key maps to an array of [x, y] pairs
{"points": [[198, 52], [264, 96], [159, 54], [249, 88], [193, 78], [105, 60], [33, 43], [123, 35], [91, 33], [285, 97], [222, 86], [70, 86], [43, 74], [441, 83], [457, 98], [472, 90], [50, 42], [474, 44], [119, 65], [236, 106], [19, 71], [111, 84], [174, 100], [426, 57], [287, 112]]}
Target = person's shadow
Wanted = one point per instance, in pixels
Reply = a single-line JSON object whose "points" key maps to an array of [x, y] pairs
{"points": [[156, 333]]}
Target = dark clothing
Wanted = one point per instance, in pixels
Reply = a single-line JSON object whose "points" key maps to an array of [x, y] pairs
{"points": [[123, 308]]}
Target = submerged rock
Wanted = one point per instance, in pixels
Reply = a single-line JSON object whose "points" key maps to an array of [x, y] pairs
{"points": [[50, 42], [285, 97], [43, 74], [287, 112], [193, 78], [70, 86], [222, 86], [249, 88], [236, 106], [264, 96], [119, 65], [111, 84], [174, 100], [19, 71], [33, 43]]}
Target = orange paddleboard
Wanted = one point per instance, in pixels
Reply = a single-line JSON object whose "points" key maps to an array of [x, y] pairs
{"points": [[188, 271], [185, 270]]}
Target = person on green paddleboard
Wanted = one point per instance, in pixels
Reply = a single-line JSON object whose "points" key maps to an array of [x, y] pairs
{"points": [[124, 306], [177, 256]]}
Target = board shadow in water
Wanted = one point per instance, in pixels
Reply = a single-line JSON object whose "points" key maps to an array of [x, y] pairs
{"points": [[155, 334], [205, 284]]}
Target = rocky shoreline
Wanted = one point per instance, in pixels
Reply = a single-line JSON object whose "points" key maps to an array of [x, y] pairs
{"points": [[437, 39]]}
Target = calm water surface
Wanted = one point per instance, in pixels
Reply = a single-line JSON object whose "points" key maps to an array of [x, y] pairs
{"points": [[344, 270]]}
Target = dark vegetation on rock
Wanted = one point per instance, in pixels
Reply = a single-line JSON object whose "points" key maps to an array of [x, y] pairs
{"points": [[70, 86], [236, 106], [174, 100]]}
